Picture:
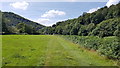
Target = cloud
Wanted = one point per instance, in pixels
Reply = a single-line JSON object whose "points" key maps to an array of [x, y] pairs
{"points": [[53, 13], [56, 0], [93, 10], [44, 21], [20, 5], [108, 4], [49, 17], [48, 22], [112, 2]]}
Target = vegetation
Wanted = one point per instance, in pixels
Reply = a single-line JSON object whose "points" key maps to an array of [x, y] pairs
{"points": [[0, 50], [107, 46], [47, 50], [11, 24], [98, 31], [102, 23]]}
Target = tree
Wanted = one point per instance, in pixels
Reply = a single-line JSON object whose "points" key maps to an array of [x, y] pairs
{"points": [[26, 29], [21, 27], [4, 29], [117, 32]]}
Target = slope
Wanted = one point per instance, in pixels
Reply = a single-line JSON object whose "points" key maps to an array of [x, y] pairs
{"points": [[88, 23], [11, 23]]}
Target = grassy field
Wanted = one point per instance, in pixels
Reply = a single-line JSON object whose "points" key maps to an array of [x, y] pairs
{"points": [[0, 50], [47, 50]]}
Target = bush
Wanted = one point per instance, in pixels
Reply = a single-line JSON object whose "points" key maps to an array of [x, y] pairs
{"points": [[108, 46]]}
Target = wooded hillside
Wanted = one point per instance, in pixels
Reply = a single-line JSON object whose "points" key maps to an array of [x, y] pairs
{"points": [[15, 24], [103, 22]]}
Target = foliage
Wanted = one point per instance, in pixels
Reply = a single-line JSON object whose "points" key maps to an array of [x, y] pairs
{"points": [[47, 50], [106, 28], [10, 21], [4, 28], [108, 46], [102, 23]]}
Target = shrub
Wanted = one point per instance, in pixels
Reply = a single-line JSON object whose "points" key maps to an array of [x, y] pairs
{"points": [[108, 46]]}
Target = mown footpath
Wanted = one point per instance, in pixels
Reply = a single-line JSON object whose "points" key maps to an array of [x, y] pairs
{"points": [[47, 50]]}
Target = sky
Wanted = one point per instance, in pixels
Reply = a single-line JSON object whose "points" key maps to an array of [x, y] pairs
{"points": [[48, 13]]}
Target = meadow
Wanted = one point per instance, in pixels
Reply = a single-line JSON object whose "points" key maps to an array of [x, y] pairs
{"points": [[47, 50], [0, 50]]}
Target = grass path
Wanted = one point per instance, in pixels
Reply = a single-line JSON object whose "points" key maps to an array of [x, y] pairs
{"points": [[49, 50]]}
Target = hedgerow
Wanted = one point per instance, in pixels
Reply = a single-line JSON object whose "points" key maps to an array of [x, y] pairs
{"points": [[107, 46]]}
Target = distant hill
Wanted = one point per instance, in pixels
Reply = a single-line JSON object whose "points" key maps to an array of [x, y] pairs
{"points": [[103, 22], [15, 24]]}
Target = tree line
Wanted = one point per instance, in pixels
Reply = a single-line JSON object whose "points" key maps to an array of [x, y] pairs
{"points": [[103, 22]]}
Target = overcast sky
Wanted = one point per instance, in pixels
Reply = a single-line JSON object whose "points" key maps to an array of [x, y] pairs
{"points": [[48, 13]]}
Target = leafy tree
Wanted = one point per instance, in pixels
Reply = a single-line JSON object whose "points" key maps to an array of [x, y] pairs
{"points": [[21, 27], [117, 32], [4, 28]]}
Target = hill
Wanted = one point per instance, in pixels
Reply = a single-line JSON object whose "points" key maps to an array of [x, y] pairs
{"points": [[103, 22], [15, 24]]}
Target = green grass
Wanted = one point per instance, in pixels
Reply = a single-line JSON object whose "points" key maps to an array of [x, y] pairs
{"points": [[0, 51], [47, 50]]}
